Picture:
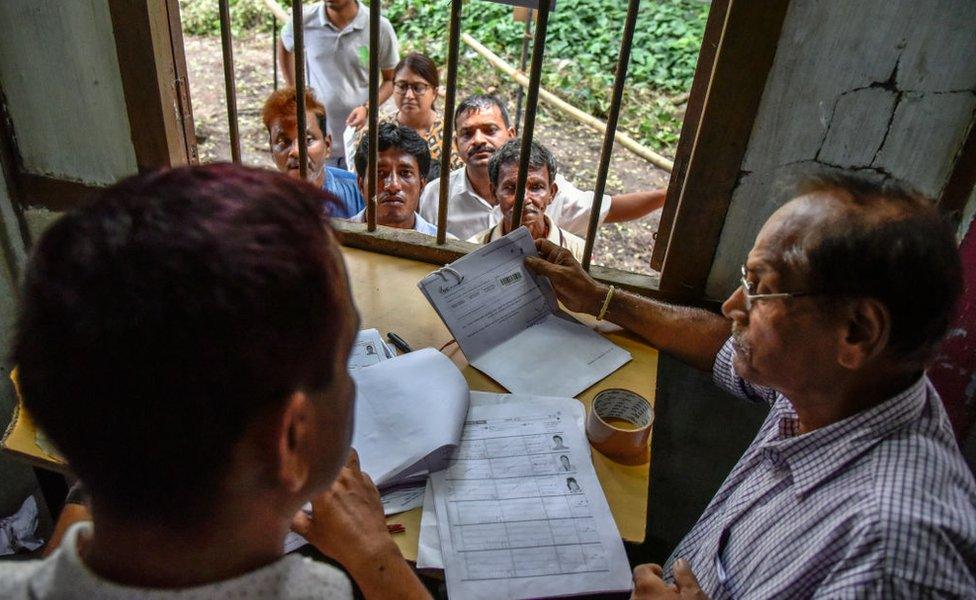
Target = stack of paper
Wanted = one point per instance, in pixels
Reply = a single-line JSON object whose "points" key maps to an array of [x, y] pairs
{"points": [[506, 320], [410, 411], [519, 512]]}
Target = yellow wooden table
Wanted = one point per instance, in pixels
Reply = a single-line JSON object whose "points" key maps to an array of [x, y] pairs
{"points": [[387, 297]]}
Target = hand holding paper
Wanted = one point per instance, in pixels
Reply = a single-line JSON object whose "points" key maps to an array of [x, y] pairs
{"points": [[507, 322]]}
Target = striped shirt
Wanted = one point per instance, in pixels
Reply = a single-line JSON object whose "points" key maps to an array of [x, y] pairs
{"points": [[343, 184], [879, 504]]}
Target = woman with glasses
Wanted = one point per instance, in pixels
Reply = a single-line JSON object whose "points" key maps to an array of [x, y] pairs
{"points": [[415, 89]]}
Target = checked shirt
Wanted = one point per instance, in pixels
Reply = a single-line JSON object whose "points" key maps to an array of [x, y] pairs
{"points": [[878, 505]]}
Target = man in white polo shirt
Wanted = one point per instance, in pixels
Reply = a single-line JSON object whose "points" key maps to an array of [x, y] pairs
{"points": [[482, 126], [337, 59]]}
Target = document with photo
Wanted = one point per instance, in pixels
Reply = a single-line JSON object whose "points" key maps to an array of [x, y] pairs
{"points": [[368, 349], [507, 322], [520, 511]]}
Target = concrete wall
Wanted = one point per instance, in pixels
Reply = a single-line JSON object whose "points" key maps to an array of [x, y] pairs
{"points": [[884, 87], [60, 75]]}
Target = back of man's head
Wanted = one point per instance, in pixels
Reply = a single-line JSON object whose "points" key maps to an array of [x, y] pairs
{"points": [[511, 152], [389, 136], [481, 102], [160, 321], [885, 242]]}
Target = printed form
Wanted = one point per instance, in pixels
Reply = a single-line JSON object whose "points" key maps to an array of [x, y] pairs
{"points": [[520, 511], [507, 322]]}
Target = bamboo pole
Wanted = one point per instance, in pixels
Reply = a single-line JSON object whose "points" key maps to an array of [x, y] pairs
{"points": [[589, 120], [277, 11]]}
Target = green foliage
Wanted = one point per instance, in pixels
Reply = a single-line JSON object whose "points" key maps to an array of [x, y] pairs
{"points": [[582, 47], [202, 17], [584, 36]]}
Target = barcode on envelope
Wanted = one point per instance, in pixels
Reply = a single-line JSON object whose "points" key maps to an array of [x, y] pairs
{"points": [[510, 279]]}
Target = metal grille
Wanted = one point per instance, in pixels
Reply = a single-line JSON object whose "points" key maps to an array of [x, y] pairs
{"points": [[454, 40]]}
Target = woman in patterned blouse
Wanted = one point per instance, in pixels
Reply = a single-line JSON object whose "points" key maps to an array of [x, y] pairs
{"points": [[415, 89]]}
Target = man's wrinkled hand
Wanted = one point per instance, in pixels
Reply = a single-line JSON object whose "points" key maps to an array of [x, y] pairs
{"points": [[575, 288], [347, 521], [649, 583]]}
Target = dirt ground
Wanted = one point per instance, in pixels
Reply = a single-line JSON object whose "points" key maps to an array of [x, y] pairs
{"points": [[577, 148]]}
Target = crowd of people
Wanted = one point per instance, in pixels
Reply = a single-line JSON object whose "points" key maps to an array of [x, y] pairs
{"points": [[337, 106], [183, 340]]}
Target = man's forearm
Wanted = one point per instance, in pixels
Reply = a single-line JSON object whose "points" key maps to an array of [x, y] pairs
{"points": [[627, 207], [286, 60], [693, 335], [385, 91]]}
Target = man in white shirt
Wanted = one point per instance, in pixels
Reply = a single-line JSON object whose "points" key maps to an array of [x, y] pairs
{"points": [[540, 189], [482, 126], [183, 341], [403, 161], [337, 59]]}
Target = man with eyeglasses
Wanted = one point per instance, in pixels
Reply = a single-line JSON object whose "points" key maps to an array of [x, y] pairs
{"points": [[854, 485]]}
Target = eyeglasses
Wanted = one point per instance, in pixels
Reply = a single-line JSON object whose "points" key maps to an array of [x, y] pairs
{"points": [[419, 89], [750, 297]]}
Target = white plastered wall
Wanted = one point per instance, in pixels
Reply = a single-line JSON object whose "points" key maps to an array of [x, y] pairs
{"points": [[882, 87], [60, 74]]}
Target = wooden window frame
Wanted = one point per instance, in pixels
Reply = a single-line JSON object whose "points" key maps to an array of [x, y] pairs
{"points": [[738, 48], [154, 84]]}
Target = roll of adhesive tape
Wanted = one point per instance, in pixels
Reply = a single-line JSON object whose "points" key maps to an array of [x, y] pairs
{"points": [[619, 425]]}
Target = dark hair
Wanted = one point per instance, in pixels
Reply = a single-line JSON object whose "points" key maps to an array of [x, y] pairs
{"points": [[480, 102], [160, 321], [422, 65], [283, 103], [389, 136], [893, 246], [539, 156]]}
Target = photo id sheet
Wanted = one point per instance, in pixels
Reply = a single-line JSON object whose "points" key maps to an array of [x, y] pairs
{"points": [[507, 322], [368, 349], [520, 511]]}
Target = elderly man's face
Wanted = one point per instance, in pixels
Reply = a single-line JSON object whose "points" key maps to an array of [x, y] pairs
{"points": [[538, 194], [785, 343], [479, 134], [398, 187], [284, 147]]}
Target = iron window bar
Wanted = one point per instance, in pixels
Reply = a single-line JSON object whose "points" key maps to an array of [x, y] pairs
{"points": [[603, 169], [450, 99], [373, 114], [230, 86], [298, 24], [527, 130], [531, 103]]}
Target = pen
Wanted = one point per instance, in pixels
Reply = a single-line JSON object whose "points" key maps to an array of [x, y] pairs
{"points": [[399, 343]]}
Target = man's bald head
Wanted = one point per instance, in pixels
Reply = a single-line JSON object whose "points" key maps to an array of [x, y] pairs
{"points": [[850, 237]]}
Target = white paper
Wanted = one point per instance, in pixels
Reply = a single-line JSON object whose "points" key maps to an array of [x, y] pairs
{"points": [[368, 349], [517, 520], [505, 319], [349, 143], [402, 499], [409, 415], [429, 544], [429, 550]]}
